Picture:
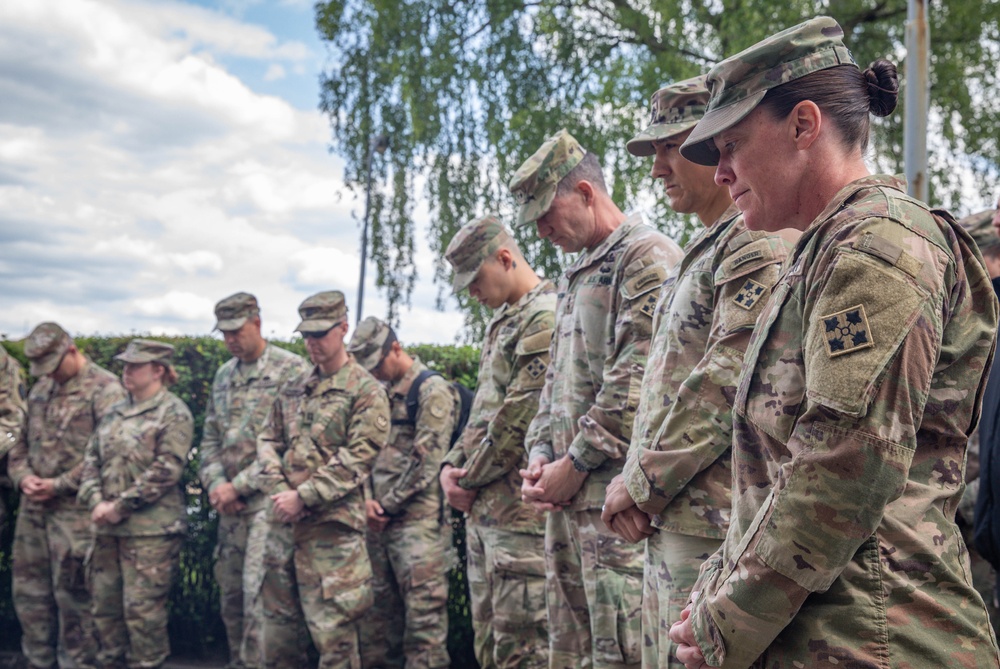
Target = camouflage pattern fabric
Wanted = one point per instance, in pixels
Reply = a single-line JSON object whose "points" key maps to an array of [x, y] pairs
{"points": [[408, 626], [130, 578], [321, 438], [13, 412], [984, 576], [242, 395], [51, 538], [506, 573], [258, 528], [860, 384], [136, 459], [535, 183]]}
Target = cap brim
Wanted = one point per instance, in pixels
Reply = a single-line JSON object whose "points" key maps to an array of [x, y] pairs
{"points": [[139, 358], [46, 364], [642, 144], [699, 147], [315, 325], [533, 210], [231, 324], [461, 280]]}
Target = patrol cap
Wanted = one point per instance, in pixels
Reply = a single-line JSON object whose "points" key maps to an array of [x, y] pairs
{"points": [[322, 311], [147, 350], [673, 110], [980, 228], [232, 312], [740, 82], [476, 241], [369, 341], [45, 348], [534, 184]]}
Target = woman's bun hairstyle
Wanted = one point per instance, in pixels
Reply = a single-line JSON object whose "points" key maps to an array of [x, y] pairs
{"points": [[883, 87]]}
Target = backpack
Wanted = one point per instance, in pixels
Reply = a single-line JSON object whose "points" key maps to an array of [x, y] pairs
{"points": [[465, 403]]}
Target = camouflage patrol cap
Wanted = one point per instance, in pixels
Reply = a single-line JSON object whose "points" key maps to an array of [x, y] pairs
{"points": [[147, 350], [740, 82], [232, 312], [369, 340], [980, 228], [673, 110], [322, 311], [471, 246], [534, 184], [45, 348]]}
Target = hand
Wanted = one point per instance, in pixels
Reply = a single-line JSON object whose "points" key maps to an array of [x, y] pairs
{"points": [[288, 506], [105, 513], [531, 493], [38, 489], [225, 499], [616, 499], [557, 485], [633, 525], [458, 497], [682, 634], [377, 520]]}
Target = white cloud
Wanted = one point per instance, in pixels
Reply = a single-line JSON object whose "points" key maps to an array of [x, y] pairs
{"points": [[274, 72], [179, 304]]}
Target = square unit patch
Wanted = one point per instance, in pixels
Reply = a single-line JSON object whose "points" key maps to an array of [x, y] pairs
{"points": [[535, 368], [649, 305], [750, 294], [847, 331]]}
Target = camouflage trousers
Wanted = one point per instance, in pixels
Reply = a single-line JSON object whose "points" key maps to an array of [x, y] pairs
{"points": [[673, 562], [593, 593], [130, 578], [239, 571], [50, 589], [317, 584], [506, 572], [408, 624]]}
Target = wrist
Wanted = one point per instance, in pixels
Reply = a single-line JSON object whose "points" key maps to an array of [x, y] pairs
{"points": [[579, 465]]}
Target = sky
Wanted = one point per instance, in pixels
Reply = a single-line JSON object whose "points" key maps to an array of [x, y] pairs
{"points": [[159, 155]]}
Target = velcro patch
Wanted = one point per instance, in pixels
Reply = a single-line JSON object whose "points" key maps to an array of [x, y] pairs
{"points": [[381, 422], [847, 331], [649, 305], [535, 368], [751, 293]]}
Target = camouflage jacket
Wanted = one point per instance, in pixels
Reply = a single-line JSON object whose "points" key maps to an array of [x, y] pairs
{"points": [[12, 406], [61, 420], [851, 419], [136, 458], [236, 410], [321, 438], [678, 466], [511, 375], [405, 476], [604, 319]]}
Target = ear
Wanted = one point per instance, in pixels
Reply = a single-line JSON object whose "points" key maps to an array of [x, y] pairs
{"points": [[586, 190], [505, 258], [805, 123], [397, 348]]}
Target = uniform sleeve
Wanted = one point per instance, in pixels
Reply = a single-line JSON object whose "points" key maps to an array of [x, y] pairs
{"points": [[697, 430], [606, 428], [110, 394], [89, 495], [271, 445], [503, 447], [211, 472], [18, 465], [538, 440], [346, 471], [852, 448], [173, 443], [12, 407], [435, 421]]}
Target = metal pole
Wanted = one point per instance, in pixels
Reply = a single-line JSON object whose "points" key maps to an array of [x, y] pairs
{"points": [[918, 65], [377, 143]]}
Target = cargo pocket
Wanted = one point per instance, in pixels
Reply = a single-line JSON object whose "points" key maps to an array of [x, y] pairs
{"points": [[347, 580], [519, 590], [617, 617]]}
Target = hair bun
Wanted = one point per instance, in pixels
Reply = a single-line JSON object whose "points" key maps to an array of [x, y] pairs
{"points": [[883, 87]]}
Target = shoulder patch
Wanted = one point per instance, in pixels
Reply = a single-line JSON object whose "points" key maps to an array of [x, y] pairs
{"points": [[535, 368], [885, 250], [847, 331], [534, 343], [750, 294], [645, 281], [381, 422], [750, 257]]}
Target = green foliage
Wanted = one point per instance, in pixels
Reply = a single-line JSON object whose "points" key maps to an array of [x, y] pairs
{"points": [[195, 626], [467, 89]]}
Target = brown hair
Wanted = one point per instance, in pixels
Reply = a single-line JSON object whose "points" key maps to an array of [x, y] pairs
{"points": [[588, 169], [845, 94], [169, 374]]}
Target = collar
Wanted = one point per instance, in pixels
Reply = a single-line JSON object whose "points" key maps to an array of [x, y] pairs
{"points": [[402, 386], [596, 254]]}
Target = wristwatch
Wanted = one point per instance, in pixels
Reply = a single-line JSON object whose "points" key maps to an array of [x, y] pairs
{"points": [[578, 465]]}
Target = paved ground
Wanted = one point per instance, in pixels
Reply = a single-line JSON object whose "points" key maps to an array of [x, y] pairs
{"points": [[10, 660]]}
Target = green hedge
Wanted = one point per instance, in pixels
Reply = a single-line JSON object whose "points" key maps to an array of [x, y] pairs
{"points": [[196, 629]]}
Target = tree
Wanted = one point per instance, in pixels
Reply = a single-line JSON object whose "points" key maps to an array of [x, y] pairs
{"points": [[467, 89]]}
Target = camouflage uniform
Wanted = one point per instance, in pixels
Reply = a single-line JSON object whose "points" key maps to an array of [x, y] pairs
{"points": [[505, 537], [51, 538], [241, 397], [850, 423], [136, 459], [678, 467], [12, 415], [411, 557], [321, 439], [603, 325]]}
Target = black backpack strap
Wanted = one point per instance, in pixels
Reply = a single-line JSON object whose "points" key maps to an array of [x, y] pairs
{"points": [[413, 397]]}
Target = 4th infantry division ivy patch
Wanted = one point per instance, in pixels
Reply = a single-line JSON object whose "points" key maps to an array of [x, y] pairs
{"points": [[847, 331], [750, 294]]}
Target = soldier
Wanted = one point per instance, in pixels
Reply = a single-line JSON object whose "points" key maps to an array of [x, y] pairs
{"points": [[316, 451], [132, 485], [242, 393], [678, 468], [409, 542], [858, 390], [580, 436], [52, 534], [12, 414], [504, 536]]}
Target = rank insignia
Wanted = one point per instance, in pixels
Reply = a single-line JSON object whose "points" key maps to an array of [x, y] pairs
{"points": [[649, 305], [381, 422], [535, 368], [750, 294], [847, 331]]}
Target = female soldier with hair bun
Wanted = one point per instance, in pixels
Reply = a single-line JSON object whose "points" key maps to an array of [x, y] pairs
{"points": [[859, 388], [131, 484]]}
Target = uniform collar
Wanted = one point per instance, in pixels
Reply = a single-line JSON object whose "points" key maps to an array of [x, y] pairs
{"points": [[598, 253], [510, 310], [402, 386], [132, 408]]}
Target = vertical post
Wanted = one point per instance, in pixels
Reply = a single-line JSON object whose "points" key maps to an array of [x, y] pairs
{"points": [[377, 143], [918, 61]]}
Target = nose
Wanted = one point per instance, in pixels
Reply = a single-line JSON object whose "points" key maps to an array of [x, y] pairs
{"points": [[661, 167], [724, 175]]}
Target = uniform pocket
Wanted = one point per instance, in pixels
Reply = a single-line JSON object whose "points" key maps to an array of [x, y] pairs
{"points": [[519, 589], [616, 619], [347, 576]]}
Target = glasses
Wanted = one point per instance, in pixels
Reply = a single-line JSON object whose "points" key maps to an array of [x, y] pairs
{"points": [[320, 335]]}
